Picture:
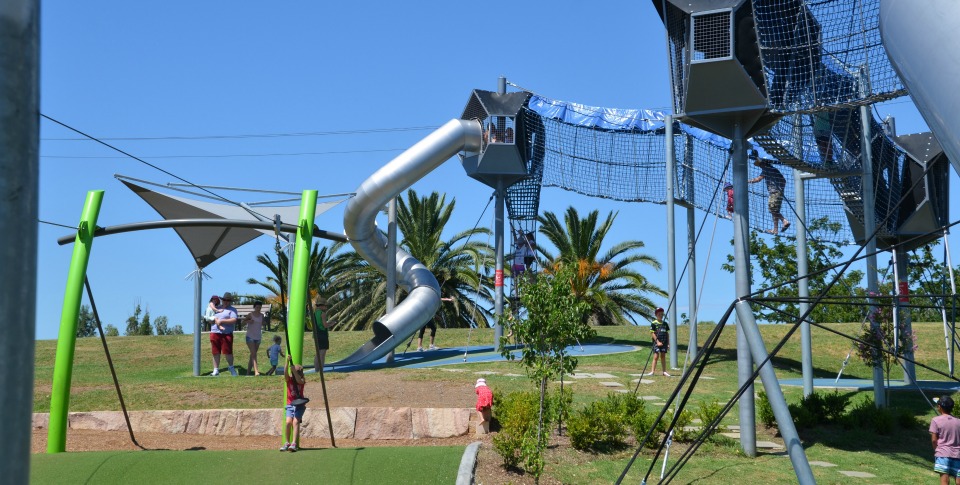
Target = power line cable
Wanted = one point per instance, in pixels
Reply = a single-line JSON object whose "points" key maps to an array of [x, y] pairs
{"points": [[235, 155], [257, 135]]}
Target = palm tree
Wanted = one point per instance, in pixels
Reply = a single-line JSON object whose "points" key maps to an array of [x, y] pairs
{"points": [[607, 282], [457, 263], [321, 271]]}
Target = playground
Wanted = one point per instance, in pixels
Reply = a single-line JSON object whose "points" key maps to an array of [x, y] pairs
{"points": [[771, 134]]}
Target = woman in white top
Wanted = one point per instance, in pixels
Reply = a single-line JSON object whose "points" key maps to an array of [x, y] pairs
{"points": [[254, 325]]}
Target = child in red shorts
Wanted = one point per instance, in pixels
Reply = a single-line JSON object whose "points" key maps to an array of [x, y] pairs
{"points": [[484, 405]]}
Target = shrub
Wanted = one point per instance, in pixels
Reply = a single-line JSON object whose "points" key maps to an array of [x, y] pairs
{"points": [[865, 415], [680, 433], [708, 412], [599, 426], [765, 411], [517, 413]]}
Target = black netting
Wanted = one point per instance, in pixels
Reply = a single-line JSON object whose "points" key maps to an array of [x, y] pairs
{"points": [[629, 165], [823, 53], [815, 54]]}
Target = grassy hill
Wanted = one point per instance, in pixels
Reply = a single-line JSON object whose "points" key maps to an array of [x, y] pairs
{"points": [[156, 374]]}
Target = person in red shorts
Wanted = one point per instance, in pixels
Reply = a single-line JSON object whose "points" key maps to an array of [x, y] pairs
{"points": [[484, 405], [221, 334]]}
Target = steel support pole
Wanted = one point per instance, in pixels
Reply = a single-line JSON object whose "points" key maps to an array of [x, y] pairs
{"points": [[19, 163], [901, 314], [671, 164], [869, 228], [198, 310], [741, 255], [791, 440], [67, 338], [803, 284], [953, 298], [498, 273], [692, 270], [391, 260]]}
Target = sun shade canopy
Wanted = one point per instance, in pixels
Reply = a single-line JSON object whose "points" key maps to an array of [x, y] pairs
{"points": [[207, 244]]}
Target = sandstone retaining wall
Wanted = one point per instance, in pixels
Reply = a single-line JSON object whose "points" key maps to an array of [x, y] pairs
{"points": [[349, 423]]}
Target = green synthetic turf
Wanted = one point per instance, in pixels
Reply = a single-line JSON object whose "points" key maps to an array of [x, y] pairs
{"points": [[421, 465]]}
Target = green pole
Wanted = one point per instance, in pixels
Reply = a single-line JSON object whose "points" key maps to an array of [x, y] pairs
{"points": [[301, 269], [66, 342]]}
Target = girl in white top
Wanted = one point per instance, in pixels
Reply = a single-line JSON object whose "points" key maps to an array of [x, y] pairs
{"points": [[254, 325]]}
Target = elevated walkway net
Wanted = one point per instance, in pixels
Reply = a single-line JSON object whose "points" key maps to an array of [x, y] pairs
{"points": [[620, 155]]}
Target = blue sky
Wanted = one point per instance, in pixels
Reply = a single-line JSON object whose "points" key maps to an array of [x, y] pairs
{"points": [[197, 74]]}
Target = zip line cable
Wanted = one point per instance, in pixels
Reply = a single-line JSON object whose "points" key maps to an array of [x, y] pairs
{"points": [[257, 135], [215, 195]]}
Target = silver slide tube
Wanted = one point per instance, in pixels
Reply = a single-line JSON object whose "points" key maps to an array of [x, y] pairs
{"points": [[359, 223], [917, 37]]}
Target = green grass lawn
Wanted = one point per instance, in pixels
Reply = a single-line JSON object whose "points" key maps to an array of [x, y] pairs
{"points": [[156, 373], [425, 465]]}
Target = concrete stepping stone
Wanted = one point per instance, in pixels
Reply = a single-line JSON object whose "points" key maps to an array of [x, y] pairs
{"points": [[580, 375], [708, 378], [735, 436], [451, 370], [603, 375], [825, 464], [697, 420], [651, 398], [623, 391], [855, 474], [486, 372], [734, 427], [611, 384], [513, 375], [768, 445]]}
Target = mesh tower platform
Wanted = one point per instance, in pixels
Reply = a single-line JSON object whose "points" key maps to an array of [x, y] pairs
{"points": [[716, 73], [501, 158]]}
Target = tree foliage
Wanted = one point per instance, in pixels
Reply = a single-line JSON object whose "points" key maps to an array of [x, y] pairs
{"points": [[777, 264], [111, 331], [162, 326], [133, 321], [86, 324], [607, 282], [459, 264]]}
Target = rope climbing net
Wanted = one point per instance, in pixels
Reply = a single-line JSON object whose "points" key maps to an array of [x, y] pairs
{"points": [[620, 155]]}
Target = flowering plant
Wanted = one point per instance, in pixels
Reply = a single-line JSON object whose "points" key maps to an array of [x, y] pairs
{"points": [[878, 332]]}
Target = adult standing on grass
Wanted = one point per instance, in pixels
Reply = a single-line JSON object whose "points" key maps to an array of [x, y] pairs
{"points": [[945, 437], [660, 333], [224, 323], [775, 187], [323, 334], [254, 324]]}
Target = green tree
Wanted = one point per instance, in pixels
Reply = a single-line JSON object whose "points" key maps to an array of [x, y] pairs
{"points": [[111, 331], [322, 270], [458, 264], [556, 319], [133, 321], [163, 327], [145, 328], [86, 324], [607, 282], [777, 264]]}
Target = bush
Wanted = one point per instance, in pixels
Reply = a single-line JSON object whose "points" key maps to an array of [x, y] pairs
{"points": [[517, 413], [865, 415], [765, 411], [708, 412], [683, 421], [600, 426]]}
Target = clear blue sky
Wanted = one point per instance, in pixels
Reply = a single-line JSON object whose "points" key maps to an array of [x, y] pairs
{"points": [[213, 69]]}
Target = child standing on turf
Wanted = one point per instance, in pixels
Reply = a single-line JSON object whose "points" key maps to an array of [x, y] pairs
{"points": [[945, 438], [296, 404], [274, 352], [660, 332]]}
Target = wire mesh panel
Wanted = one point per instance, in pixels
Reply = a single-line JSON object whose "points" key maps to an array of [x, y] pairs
{"points": [[712, 38], [629, 165], [823, 53]]}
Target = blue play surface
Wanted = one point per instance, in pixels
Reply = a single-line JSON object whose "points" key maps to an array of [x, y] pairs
{"points": [[462, 355]]}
